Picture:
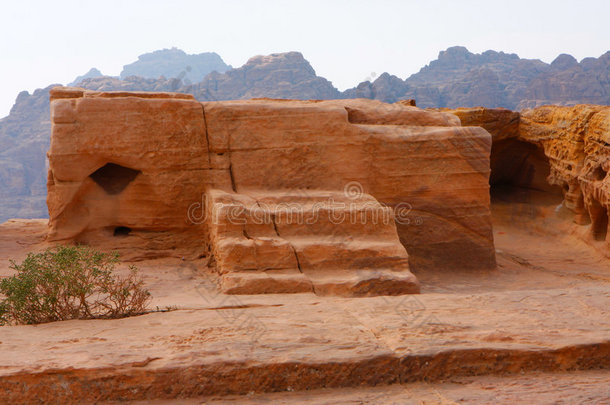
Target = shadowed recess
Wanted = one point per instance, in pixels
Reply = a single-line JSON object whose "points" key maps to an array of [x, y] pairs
{"points": [[121, 231], [517, 170], [114, 178], [599, 174], [599, 219]]}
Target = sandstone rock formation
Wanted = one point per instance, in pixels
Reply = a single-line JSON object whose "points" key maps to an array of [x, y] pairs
{"points": [[24, 141], [576, 141], [556, 150], [287, 195], [24, 134], [102, 144]]}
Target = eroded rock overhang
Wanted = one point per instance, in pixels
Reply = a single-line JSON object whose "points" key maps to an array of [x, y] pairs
{"points": [[557, 150]]}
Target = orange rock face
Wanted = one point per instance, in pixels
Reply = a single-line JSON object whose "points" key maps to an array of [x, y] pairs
{"points": [[338, 197], [577, 142], [558, 150], [120, 164]]}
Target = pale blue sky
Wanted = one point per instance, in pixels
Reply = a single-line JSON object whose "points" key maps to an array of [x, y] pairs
{"points": [[46, 42]]}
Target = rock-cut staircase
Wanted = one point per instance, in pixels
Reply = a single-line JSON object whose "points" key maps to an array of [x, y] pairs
{"points": [[303, 240]]}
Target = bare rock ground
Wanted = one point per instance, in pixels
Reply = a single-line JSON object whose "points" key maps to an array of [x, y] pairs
{"points": [[515, 335], [581, 387]]}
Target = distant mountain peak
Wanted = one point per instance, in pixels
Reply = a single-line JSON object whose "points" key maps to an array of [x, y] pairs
{"points": [[288, 60], [453, 51], [278, 75], [166, 51], [564, 61], [92, 73], [278, 56], [175, 63]]}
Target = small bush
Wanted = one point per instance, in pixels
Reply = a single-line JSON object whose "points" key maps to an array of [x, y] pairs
{"points": [[69, 282]]}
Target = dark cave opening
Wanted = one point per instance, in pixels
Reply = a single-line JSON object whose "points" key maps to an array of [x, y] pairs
{"points": [[519, 172], [122, 231], [599, 173], [114, 178]]}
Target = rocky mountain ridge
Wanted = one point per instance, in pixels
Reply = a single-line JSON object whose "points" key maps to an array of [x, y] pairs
{"points": [[459, 78]]}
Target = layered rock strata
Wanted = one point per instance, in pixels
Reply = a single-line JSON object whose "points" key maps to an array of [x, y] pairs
{"points": [[288, 196], [576, 141], [555, 149]]}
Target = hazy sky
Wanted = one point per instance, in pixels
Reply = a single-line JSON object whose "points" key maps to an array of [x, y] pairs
{"points": [[46, 42]]}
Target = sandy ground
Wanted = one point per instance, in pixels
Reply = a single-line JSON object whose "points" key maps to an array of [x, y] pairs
{"points": [[546, 308]]}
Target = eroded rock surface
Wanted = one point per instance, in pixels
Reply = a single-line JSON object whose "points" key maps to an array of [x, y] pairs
{"points": [[555, 149], [155, 174], [542, 312]]}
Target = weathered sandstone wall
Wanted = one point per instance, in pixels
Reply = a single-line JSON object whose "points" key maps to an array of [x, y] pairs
{"points": [[577, 142], [139, 172], [574, 145], [126, 161], [401, 155]]}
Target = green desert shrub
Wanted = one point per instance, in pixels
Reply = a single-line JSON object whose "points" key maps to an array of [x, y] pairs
{"points": [[70, 282]]}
